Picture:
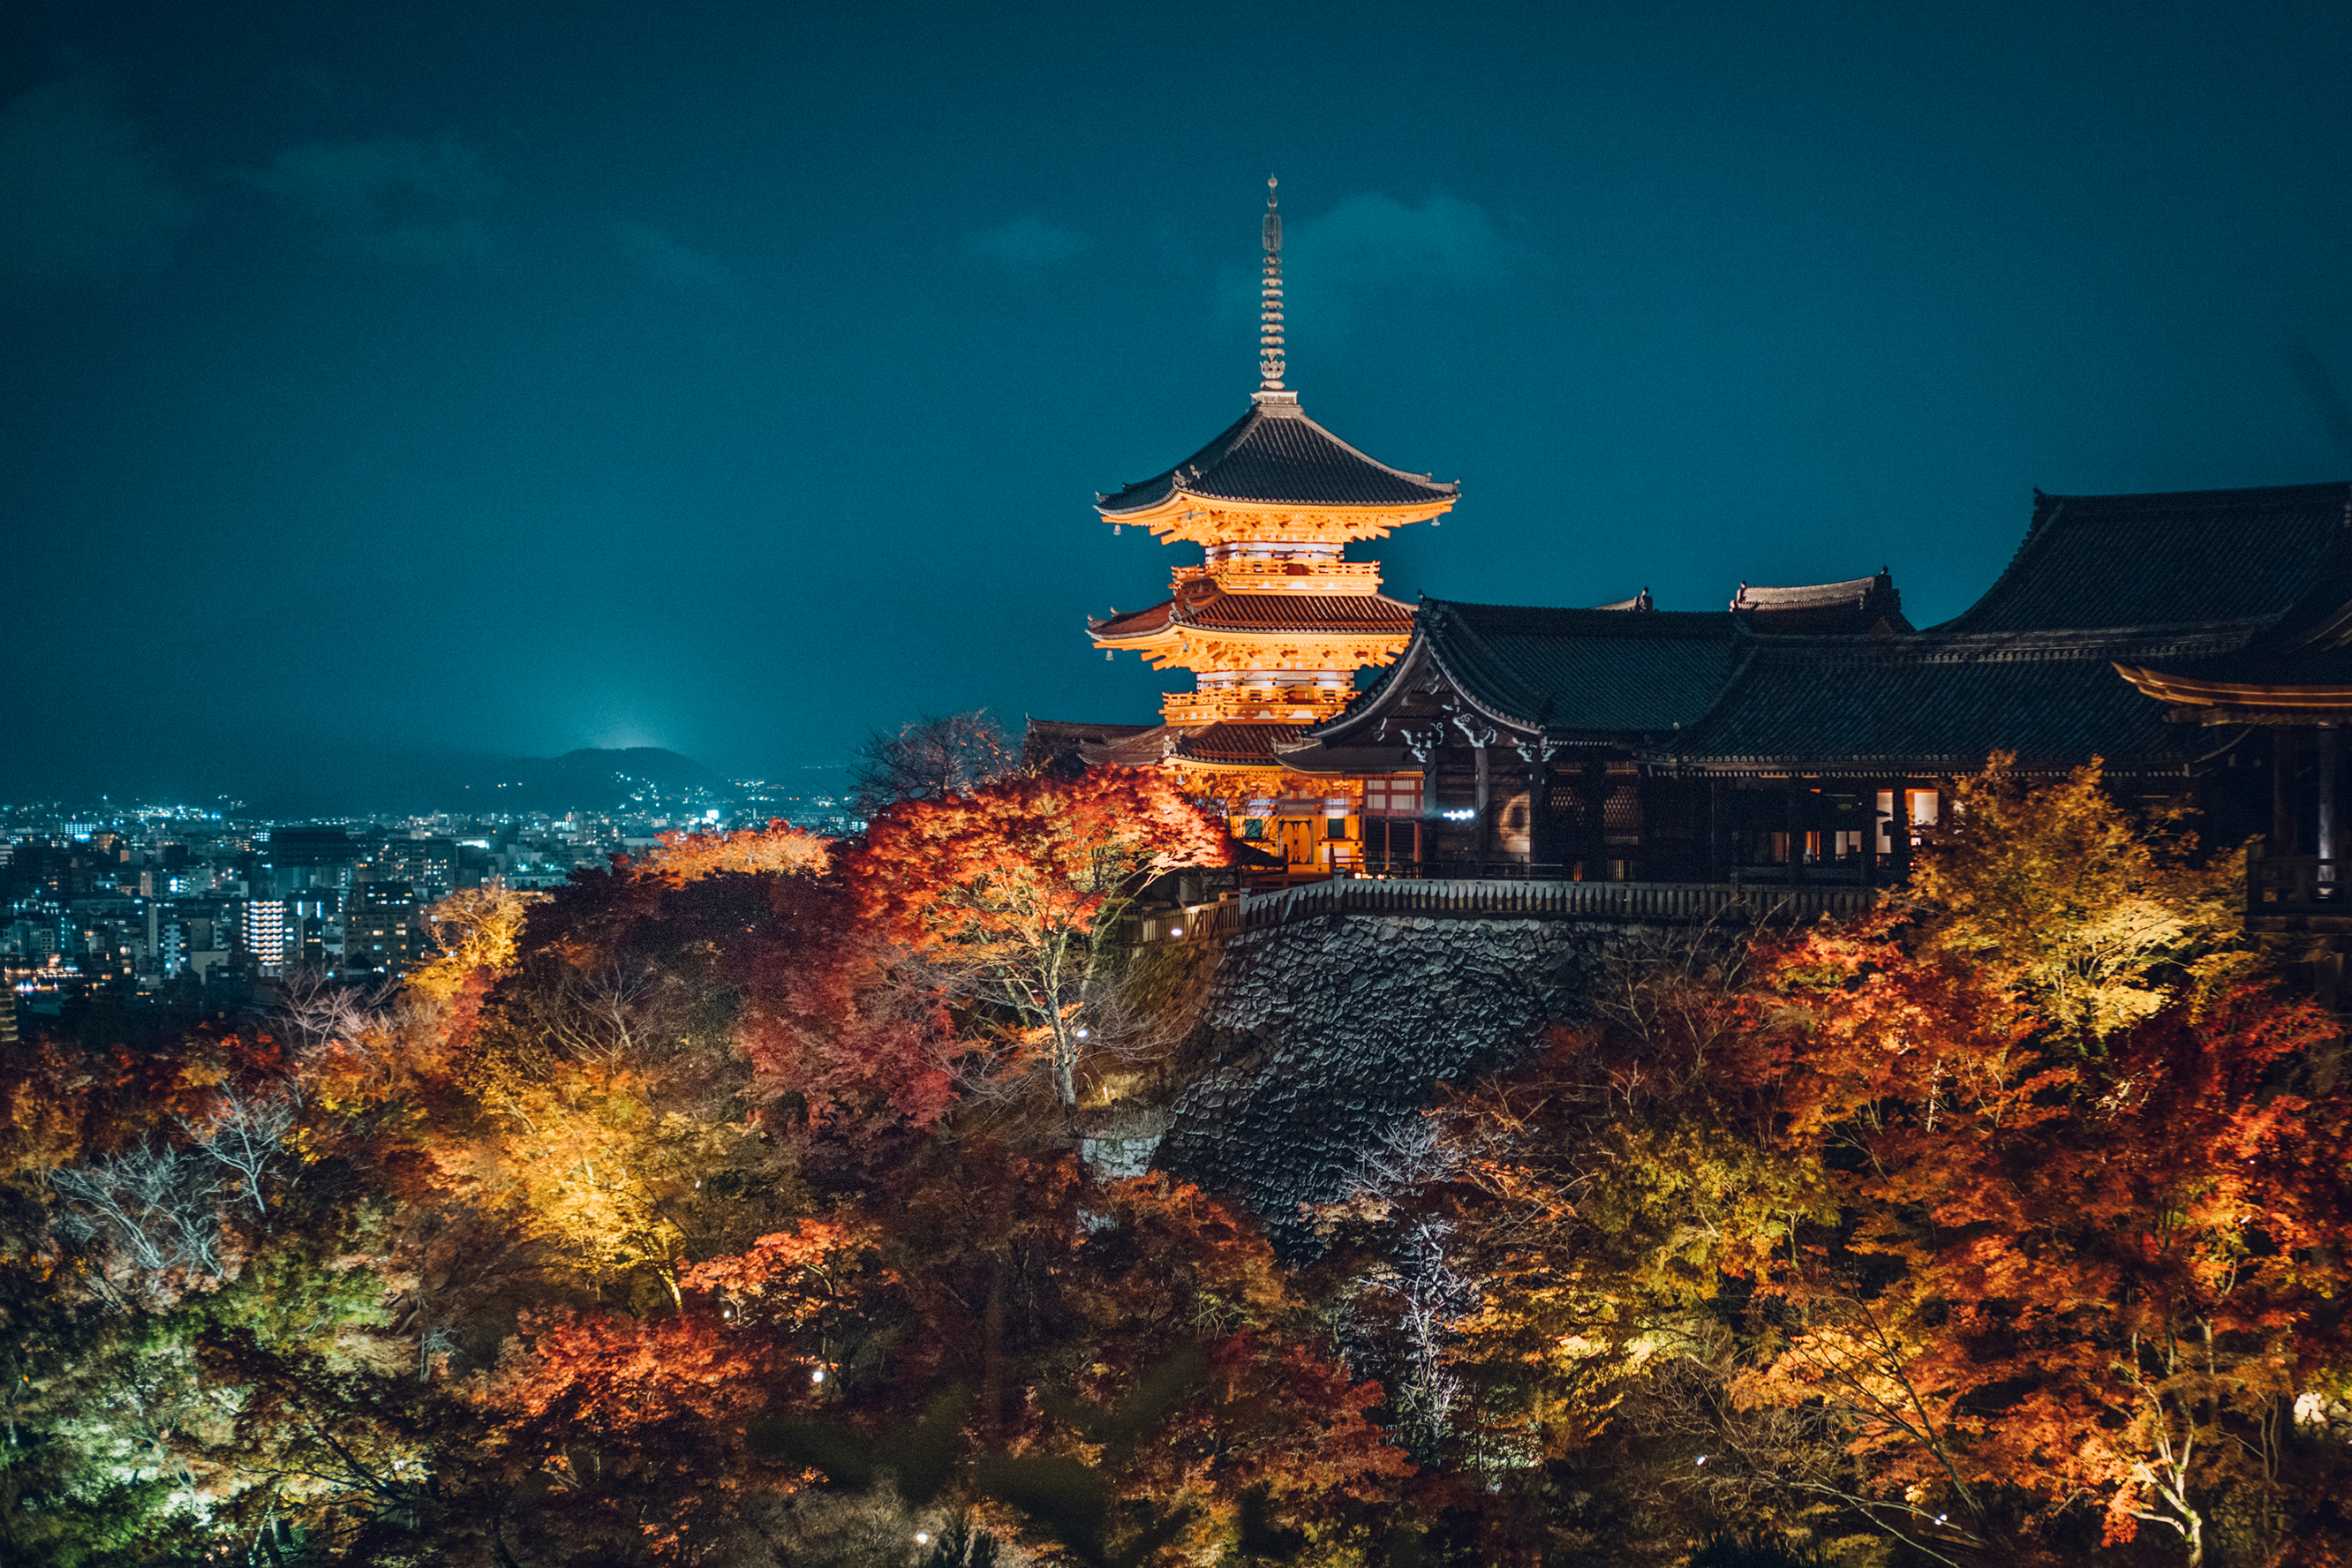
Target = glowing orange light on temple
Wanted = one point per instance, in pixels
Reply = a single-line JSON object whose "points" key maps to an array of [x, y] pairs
{"points": [[1276, 621]]}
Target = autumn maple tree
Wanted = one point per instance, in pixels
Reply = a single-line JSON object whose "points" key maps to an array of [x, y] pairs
{"points": [[2091, 1221], [688, 1215], [1012, 896]]}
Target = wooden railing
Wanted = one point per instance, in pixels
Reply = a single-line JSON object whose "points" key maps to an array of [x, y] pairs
{"points": [[1666, 903], [1835, 873], [2292, 889], [1227, 702], [1275, 576]]}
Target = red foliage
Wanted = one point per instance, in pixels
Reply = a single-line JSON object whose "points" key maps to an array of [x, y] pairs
{"points": [[58, 1105], [1025, 857], [809, 1277], [1274, 1412], [1011, 893], [2105, 1270], [820, 1024], [836, 1049], [640, 1423], [779, 846]]}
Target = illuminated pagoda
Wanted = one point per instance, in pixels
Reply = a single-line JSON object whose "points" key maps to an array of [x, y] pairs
{"points": [[1276, 621]]}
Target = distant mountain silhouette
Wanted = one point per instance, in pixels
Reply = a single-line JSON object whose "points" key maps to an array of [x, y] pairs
{"points": [[589, 779], [638, 762], [284, 777]]}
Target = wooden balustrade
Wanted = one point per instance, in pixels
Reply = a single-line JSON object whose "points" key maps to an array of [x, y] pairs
{"points": [[1665, 903], [2296, 892]]}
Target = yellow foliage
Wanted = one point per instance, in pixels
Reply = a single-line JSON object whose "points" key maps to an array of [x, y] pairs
{"points": [[2092, 917], [475, 928], [602, 1174]]}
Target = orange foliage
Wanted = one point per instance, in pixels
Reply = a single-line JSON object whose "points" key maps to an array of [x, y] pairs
{"points": [[1017, 862], [1274, 1413], [640, 1423], [1011, 894], [2106, 1274], [796, 1279], [477, 931], [779, 846]]}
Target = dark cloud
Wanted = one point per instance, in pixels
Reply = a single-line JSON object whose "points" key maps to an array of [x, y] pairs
{"points": [[667, 261], [1026, 245], [1712, 292], [78, 192], [392, 197]]}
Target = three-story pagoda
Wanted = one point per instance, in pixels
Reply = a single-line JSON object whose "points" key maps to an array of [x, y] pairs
{"points": [[1276, 620]]}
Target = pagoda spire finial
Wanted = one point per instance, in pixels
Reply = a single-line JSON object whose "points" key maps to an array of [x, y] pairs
{"points": [[1270, 309]]}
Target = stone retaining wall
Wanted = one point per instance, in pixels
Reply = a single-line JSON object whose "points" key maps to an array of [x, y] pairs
{"points": [[1325, 1036]]}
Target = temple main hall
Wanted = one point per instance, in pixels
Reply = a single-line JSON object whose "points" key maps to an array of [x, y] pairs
{"points": [[2199, 644]]}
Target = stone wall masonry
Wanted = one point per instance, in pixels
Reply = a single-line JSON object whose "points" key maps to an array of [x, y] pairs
{"points": [[1324, 1035]]}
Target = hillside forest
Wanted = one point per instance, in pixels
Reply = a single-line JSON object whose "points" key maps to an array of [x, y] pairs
{"points": [[732, 1205]]}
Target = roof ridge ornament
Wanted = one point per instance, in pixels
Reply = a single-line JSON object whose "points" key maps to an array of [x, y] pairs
{"points": [[1270, 359]]}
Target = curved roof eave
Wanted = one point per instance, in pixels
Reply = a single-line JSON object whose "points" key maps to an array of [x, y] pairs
{"points": [[1233, 446]]}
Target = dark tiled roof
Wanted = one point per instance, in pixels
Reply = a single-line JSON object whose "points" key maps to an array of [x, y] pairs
{"points": [[1928, 704], [1314, 757], [1863, 603], [1054, 732], [1236, 742], [1061, 744], [2261, 667], [1146, 748], [1204, 606], [1275, 453], [1583, 669], [2163, 560]]}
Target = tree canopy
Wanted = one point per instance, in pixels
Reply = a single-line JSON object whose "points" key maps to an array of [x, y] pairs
{"points": [[730, 1204]]}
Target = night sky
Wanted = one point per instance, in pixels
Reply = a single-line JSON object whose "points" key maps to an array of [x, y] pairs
{"points": [[512, 377]]}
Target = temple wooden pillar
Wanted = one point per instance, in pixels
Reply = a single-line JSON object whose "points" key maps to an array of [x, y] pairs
{"points": [[1715, 858], [1869, 856], [1796, 828], [1592, 811], [1898, 833], [1486, 818], [2286, 757], [2329, 849], [1542, 845], [1424, 838]]}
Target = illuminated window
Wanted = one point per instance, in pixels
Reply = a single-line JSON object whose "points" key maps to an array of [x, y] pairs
{"points": [[1393, 796]]}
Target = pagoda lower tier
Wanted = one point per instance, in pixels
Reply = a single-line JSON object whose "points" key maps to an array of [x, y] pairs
{"points": [[1282, 654]]}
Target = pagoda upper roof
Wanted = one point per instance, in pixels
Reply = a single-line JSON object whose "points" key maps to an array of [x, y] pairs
{"points": [[2180, 558], [1205, 607], [1274, 454]]}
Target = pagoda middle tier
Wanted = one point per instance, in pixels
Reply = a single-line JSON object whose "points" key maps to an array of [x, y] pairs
{"points": [[1275, 622]]}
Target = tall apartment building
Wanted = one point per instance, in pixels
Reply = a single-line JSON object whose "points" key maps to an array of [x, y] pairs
{"points": [[380, 931], [262, 933]]}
